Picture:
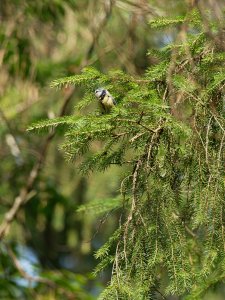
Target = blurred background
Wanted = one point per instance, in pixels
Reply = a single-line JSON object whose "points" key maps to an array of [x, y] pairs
{"points": [[41, 41]]}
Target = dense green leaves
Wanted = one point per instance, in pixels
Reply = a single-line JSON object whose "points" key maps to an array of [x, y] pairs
{"points": [[171, 141], [164, 22], [166, 138]]}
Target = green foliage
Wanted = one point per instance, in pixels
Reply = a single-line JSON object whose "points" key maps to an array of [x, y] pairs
{"points": [[53, 122], [99, 207], [89, 74], [166, 131], [164, 22], [165, 136]]}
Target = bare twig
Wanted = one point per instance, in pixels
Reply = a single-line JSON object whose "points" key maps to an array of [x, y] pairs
{"points": [[137, 123], [134, 187], [207, 142], [24, 274], [102, 221], [154, 140], [136, 136], [189, 231], [220, 150], [133, 205], [158, 291], [118, 135]]}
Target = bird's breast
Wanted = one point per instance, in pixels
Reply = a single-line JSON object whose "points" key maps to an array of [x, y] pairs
{"points": [[107, 101]]}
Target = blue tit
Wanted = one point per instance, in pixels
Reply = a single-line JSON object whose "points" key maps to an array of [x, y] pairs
{"points": [[106, 100]]}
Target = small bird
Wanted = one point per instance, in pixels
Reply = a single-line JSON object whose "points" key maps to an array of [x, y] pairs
{"points": [[105, 99]]}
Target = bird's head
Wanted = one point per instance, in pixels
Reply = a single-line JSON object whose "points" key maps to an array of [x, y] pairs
{"points": [[100, 93]]}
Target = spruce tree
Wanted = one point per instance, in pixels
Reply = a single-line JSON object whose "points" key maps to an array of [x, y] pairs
{"points": [[168, 130]]}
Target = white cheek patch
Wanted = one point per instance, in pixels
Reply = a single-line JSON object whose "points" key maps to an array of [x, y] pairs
{"points": [[98, 94]]}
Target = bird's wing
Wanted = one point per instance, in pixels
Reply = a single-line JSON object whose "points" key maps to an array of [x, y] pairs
{"points": [[102, 106], [114, 101]]}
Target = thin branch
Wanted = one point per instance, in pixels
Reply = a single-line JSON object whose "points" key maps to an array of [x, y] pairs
{"points": [[133, 205], [101, 222], [136, 136], [216, 119], [207, 142], [134, 187], [158, 291], [118, 135], [137, 123], [220, 150], [24, 274], [189, 231]]}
